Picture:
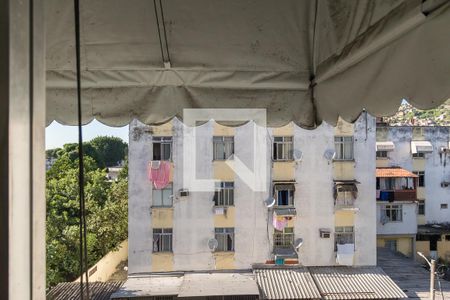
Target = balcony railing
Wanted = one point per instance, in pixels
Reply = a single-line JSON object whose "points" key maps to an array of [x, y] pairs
{"points": [[397, 195], [344, 203]]}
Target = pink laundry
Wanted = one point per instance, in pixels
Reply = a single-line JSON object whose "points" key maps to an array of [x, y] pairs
{"points": [[159, 173], [279, 222]]}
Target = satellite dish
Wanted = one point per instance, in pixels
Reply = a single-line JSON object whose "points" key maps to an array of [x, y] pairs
{"points": [[213, 244], [269, 202], [298, 155], [298, 243], [329, 154]]}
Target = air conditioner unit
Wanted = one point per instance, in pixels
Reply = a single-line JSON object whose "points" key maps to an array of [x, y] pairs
{"points": [[325, 233], [184, 192], [219, 210]]}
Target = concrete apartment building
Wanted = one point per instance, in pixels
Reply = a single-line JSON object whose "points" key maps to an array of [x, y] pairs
{"points": [[413, 165], [307, 234], [325, 199]]}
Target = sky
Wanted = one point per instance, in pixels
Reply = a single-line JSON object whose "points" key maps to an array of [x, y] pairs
{"points": [[56, 135]]}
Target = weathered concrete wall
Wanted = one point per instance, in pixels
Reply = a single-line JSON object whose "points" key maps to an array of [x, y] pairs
{"points": [[408, 225], [193, 218], [433, 164], [139, 201], [365, 218]]}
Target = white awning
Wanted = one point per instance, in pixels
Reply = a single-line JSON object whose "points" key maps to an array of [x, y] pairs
{"points": [[247, 54], [421, 146], [218, 284], [385, 146]]}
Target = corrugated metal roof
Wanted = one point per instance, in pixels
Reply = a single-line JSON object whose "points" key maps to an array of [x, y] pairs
{"points": [[218, 284], [355, 283], [286, 283], [71, 290], [394, 172]]}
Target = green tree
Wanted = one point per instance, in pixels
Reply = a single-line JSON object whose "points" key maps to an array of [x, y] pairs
{"points": [[106, 215], [111, 150]]}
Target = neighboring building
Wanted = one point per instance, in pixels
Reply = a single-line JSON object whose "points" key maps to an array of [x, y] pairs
{"points": [[425, 196], [321, 181]]}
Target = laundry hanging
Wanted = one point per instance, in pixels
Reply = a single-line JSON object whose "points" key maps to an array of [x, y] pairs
{"points": [[159, 173], [279, 222]]}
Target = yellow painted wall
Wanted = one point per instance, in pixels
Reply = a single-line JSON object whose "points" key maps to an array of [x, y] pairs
{"points": [[220, 130], [404, 244], [222, 171], [287, 130], [418, 164], [226, 220], [424, 247], [162, 262], [165, 129], [344, 218], [443, 248], [421, 193], [344, 170], [284, 170], [382, 163], [421, 219], [162, 217], [224, 260], [343, 128]]}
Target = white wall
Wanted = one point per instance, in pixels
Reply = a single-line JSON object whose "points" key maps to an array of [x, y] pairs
{"points": [[435, 171], [408, 225], [139, 200], [365, 232]]}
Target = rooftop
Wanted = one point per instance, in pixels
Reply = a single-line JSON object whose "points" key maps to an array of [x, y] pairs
{"points": [[395, 172]]}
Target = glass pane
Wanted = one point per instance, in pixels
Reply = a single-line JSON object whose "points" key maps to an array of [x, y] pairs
{"points": [[156, 151], [166, 149], [166, 196], [157, 198]]}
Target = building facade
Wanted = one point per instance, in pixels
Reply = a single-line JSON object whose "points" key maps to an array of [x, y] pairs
{"points": [[318, 208], [405, 225]]}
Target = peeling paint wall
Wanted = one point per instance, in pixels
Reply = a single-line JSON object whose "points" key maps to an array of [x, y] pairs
{"points": [[192, 217]]}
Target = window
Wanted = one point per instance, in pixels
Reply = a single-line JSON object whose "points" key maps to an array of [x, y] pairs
{"points": [[391, 213], [444, 205], [162, 198], [447, 237], [162, 240], [344, 147], [224, 195], [223, 147], [421, 180], [418, 155], [282, 148], [382, 154], [421, 208], [283, 239], [284, 193], [345, 198], [225, 238], [162, 147], [343, 235]]}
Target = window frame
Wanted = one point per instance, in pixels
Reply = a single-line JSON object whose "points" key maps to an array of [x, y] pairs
{"points": [[169, 187], [286, 154], [158, 235], [290, 194], [284, 238], [444, 206], [224, 194], [382, 154], [418, 155], [421, 208], [224, 236], [343, 233], [162, 141], [223, 141], [421, 178], [398, 208], [343, 142]]}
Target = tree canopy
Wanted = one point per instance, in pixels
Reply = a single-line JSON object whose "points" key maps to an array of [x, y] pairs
{"points": [[106, 209]]}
